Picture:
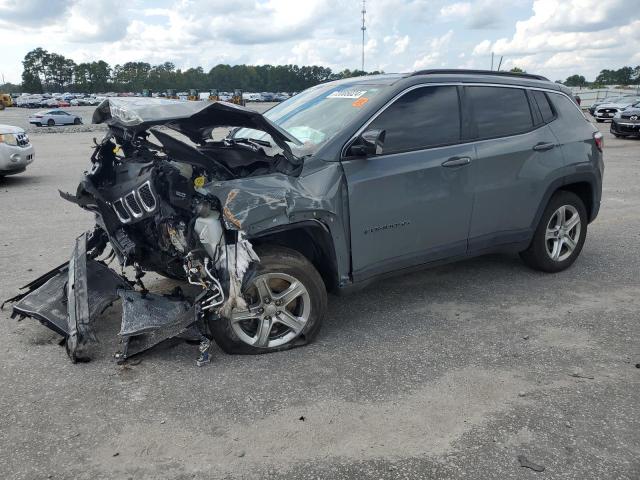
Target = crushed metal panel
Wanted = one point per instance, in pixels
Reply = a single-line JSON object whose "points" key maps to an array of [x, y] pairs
{"points": [[71, 298], [47, 303], [148, 319]]}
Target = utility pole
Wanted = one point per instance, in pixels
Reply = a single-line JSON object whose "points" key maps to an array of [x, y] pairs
{"points": [[363, 28]]}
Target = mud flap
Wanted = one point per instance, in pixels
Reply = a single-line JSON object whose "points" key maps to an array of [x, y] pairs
{"points": [[68, 298], [148, 319]]}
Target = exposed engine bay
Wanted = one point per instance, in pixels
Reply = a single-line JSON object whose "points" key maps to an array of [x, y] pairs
{"points": [[145, 186]]}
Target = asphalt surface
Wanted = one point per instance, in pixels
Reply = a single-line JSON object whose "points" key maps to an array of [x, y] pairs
{"points": [[448, 373]]}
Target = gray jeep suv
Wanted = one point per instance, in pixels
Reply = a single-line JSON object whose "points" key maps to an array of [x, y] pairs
{"points": [[329, 190]]}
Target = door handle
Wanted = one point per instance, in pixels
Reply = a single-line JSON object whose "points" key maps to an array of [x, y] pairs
{"points": [[456, 162], [541, 147]]}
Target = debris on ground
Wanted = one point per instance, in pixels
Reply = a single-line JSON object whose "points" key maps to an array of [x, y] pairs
{"points": [[579, 375], [526, 463]]}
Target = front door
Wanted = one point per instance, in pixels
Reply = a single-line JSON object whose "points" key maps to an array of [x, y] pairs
{"points": [[411, 204]]}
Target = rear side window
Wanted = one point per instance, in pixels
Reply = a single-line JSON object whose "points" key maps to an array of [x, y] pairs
{"points": [[499, 111], [422, 118], [542, 101]]}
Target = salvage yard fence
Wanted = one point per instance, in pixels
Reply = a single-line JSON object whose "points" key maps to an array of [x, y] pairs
{"points": [[589, 96]]}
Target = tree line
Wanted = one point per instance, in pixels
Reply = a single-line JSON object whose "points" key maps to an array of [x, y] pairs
{"points": [[45, 71], [621, 76]]}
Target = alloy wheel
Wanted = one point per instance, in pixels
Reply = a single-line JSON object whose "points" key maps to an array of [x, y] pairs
{"points": [[563, 233], [278, 309]]}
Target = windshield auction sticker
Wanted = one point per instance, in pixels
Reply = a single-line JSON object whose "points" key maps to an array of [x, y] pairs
{"points": [[347, 94]]}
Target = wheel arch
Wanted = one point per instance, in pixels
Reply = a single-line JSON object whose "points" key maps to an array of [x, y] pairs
{"points": [[312, 239], [582, 184], [584, 190]]}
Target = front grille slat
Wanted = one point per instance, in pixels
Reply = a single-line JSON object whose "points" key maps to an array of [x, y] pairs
{"points": [[132, 204], [136, 204], [148, 200], [122, 212]]}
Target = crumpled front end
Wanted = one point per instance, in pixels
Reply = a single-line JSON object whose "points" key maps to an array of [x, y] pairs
{"points": [[152, 216]]}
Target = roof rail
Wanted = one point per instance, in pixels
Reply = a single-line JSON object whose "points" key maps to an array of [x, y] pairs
{"points": [[479, 72]]}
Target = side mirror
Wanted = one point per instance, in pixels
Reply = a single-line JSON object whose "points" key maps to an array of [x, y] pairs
{"points": [[369, 143]]}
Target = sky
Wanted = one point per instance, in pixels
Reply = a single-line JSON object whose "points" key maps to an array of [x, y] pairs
{"points": [[555, 38]]}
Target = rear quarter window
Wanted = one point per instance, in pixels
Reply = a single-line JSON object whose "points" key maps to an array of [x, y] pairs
{"points": [[542, 102], [499, 111], [566, 108]]}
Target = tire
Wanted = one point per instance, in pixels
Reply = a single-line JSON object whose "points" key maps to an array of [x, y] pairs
{"points": [[280, 267], [599, 120], [77, 121], [38, 124], [51, 123], [545, 240]]}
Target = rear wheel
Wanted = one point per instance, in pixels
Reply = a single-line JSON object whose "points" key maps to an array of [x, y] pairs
{"points": [[50, 123], [560, 235], [77, 121], [286, 304]]}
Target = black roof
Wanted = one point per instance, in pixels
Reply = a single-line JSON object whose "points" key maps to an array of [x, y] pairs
{"points": [[478, 72]]}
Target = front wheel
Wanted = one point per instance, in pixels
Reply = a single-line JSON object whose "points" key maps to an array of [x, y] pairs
{"points": [[560, 235], [50, 123], [286, 304]]}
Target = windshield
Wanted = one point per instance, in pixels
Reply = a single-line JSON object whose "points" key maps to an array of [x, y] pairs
{"points": [[316, 115]]}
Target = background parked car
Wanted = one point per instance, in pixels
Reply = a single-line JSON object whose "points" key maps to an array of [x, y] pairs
{"points": [[627, 122], [607, 111], [16, 152], [54, 117]]}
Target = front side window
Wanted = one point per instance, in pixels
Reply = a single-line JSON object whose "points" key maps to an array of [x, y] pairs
{"points": [[499, 111], [422, 118]]}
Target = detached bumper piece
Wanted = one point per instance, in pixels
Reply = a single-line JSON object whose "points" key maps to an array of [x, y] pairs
{"points": [[148, 319], [68, 298]]}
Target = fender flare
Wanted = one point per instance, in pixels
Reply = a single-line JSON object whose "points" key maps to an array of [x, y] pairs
{"points": [[580, 177]]}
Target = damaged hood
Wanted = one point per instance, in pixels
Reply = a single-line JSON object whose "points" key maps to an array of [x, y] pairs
{"points": [[195, 119]]}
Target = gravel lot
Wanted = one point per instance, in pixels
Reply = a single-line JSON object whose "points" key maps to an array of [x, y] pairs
{"points": [[452, 372]]}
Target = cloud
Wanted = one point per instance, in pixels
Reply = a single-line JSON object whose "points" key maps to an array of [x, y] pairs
{"points": [[455, 10], [400, 44], [552, 37], [566, 36], [479, 15], [436, 49], [33, 13], [90, 21]]}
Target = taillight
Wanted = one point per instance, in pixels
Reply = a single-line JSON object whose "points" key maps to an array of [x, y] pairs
{"points": [[599, 139]]}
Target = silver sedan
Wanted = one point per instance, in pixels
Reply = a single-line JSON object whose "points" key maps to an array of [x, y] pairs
{"points": [[54, 117], [16, 152]]}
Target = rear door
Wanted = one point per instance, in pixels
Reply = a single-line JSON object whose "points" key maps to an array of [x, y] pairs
{"points": [[517, 158], [412, 203], [64, 117], [55, 115]]}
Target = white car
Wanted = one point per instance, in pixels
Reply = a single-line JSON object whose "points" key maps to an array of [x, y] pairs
{"points": [[607, 111], [54, 117], [16, 152]]}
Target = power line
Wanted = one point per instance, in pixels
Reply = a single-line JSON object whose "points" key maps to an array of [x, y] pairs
{"points": [[363, 28]]}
